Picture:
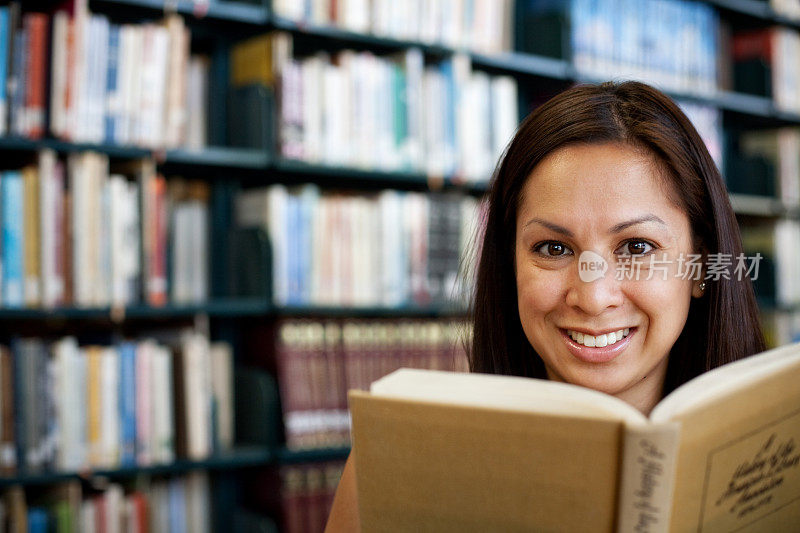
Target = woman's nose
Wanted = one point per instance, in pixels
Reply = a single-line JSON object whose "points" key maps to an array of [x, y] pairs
{"points": [[592, 288]]}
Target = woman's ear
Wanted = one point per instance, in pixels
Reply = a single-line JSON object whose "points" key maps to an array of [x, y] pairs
{"points": [[698, 288], [699, 284]]}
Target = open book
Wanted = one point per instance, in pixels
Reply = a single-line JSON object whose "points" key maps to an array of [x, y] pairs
{"points": [[440, 451]]}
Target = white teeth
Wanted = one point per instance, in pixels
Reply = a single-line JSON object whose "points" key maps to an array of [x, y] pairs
{"points": [[605, 339]]}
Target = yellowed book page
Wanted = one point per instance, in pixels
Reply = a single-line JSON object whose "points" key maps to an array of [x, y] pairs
{"points": [[739, 459], [424, 466]]}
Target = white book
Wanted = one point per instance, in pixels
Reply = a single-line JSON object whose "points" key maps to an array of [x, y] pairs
{"points": [[101, 246], [197, 394], [335, 112], [99, 83], [109, 408], [145, 410], [128, 54], [433, 129], [789, 165], [181, 236], [114, 505], [88, 522], [117, 194], [222, 387], [412, 63], [313, 91], [197, 102], [59, 75], [70, 404], [176, 103], [153, 82], [417, 227], [320, 283], [291, 9], [51, 197], [200, 252], [505, 113], [81, 230], [162, 442], [198, 503], [428, 21], [391, 257]]}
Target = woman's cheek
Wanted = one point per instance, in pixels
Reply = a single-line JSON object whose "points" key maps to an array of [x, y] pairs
{"points": [[539, 290]]}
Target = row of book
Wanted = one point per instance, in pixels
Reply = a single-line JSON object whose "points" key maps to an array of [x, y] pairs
{"points": [[361, 110], [390, 248], [778, 242], [67, 407], [765, 64], [76, 233], [766, 163], [481, 25], [319, 361], [129, 84], [669, 43], [307, 492], [158, 505]]}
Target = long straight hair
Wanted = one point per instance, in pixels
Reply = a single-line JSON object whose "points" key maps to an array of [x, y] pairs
{"points": [[722, 325]]}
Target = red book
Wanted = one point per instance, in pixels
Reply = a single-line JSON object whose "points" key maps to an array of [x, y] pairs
{"points": [[157, 267], [36, 73], [753, 45]]}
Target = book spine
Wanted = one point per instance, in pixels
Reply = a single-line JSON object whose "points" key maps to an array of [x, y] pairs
{"points": [[648, 477], [127, 404], [37, 74], [13, 234], [5, 32]]}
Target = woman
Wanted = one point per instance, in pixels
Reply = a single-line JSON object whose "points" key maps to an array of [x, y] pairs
{"points": [[604, 197]]}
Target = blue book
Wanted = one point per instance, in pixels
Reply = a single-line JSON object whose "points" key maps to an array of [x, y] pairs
{"points": [[38, 520], [449, 106], [127, 403], [17, 94], [292, 248], [177, 504], [11, 207], [309, 204], [112, 85], [5, 32]]}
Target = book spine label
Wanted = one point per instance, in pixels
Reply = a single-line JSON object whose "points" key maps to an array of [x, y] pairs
{"points": [[648, 477]]}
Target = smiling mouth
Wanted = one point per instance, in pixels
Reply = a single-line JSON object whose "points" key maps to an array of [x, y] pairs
{"points": [[598, 341]]}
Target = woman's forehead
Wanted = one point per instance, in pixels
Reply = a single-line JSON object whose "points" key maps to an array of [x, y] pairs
{"points": [[610, 181]]}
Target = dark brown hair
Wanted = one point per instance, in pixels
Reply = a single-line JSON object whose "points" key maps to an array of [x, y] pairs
{"points": [[722, 326]]}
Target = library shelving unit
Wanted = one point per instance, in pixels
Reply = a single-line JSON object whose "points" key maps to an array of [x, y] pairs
{"points": [[224, 22]]}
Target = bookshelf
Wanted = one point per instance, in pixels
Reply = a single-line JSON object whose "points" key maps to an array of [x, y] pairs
{"points": [[218, 25]]}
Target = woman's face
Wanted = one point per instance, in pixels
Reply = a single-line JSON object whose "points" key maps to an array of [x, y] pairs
{"points": [[609, 200]]}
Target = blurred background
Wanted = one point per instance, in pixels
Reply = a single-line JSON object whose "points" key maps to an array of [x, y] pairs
{"points": [[219, 216]]}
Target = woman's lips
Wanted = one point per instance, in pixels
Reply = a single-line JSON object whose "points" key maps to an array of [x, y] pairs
{"points": [[597, 355]]}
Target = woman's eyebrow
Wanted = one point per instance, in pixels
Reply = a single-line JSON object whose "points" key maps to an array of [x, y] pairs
{"points": [[646, 218], [549, 225]]}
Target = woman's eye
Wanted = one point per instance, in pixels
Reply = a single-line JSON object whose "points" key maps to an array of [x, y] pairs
{"points": [[552, 249], [635, 247]]}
